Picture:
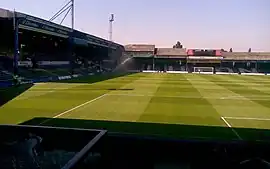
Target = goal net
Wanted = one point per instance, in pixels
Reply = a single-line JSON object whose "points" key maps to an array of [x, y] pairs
{"points": [[204, 70]]}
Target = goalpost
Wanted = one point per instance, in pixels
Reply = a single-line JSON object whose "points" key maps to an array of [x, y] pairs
{"points": [[204, 70]]}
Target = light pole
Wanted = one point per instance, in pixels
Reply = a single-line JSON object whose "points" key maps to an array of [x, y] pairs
{"points": [[111, 20]]}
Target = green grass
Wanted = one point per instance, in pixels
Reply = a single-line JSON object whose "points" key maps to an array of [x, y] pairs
{"points": [[166, 105]]}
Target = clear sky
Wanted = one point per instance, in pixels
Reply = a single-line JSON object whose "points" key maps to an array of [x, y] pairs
{"points": [[239, 24]]}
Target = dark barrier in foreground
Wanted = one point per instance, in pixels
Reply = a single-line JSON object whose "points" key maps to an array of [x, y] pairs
{"points": [[33, 147], [124, 150]]}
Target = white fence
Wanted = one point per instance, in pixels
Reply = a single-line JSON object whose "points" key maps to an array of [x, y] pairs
{"points": [[226, 73], [207, 73], [149, 71], [254, 74], [218, 73], [176, 72]]}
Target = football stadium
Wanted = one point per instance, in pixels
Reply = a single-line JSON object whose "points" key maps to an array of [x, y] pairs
{"points": [[100, 104]]}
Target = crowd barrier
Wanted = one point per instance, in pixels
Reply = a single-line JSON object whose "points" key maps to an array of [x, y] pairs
{"points": [[245, 74], [226, 73], [208, 73], [154, 71], [149, 71], [255, 74], [218, 73], [177, 72]]}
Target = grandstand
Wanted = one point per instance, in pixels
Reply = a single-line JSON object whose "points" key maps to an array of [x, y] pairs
{"points": [[170, 59], [180, 59], [48, 50], [250, 61], [143, 55], [142, 50]]}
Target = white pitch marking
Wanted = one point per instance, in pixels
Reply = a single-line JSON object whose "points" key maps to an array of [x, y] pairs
{"points": [[228, 124], [247, 118], [58, 88], [225, 121], [74, 108], [41, 91], [229, 97]]}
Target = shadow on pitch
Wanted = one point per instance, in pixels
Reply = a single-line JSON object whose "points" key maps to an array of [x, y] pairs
{"points": [[7, 94], [94, 78], [159, 130]]}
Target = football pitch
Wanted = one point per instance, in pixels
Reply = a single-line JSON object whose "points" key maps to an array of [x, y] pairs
{"points": [[188, 106]]}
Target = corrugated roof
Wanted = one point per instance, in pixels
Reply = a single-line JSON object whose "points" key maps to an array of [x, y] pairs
{"points": [[5, 13], [246, 55], [171, 52], [140, 47]]}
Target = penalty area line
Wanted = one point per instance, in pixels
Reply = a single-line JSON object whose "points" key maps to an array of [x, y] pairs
{"points": [[74, 108], [228, 124], [247, 118]]}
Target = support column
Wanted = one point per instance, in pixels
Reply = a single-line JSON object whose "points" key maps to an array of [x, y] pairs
{"points": [[256, 65], [16, 46], [153, 63]]}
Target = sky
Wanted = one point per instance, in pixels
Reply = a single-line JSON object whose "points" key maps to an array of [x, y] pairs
{"points": [[211, 24]]}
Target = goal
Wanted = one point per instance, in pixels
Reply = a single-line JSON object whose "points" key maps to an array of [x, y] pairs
{"points": [[204, 70]]}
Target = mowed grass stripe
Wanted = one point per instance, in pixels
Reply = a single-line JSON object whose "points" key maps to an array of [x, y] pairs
{"points": [[216, 92], [194, 111], [246, 92], [106, 86], [247, 107], [221, 106], [51, 104], [114, 107], [252, 84], [39, 90], [191, 118], [265, 80]]}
